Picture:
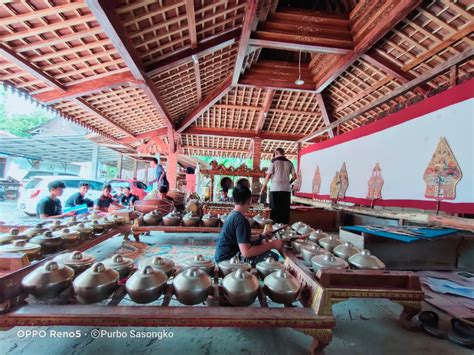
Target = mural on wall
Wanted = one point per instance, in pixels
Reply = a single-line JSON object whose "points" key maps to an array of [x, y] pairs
{"points": [[316, 181], [335, 187], [375, 183], [442, 174], [344, 177]]}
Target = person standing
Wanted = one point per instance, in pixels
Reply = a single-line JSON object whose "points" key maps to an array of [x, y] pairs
{"points": [[160, 175], [282, 174], [50, 206]]}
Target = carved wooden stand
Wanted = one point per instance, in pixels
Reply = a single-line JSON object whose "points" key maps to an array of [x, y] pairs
{"points": [[333, 286]]}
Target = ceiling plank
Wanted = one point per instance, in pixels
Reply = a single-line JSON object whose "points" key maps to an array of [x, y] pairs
{"points": [[428, 75], [191, 17], [91, 109], [24, 64], [249, 22], [210, 100], [104, 12], [263, 113], [399, 10], [87, 88], [324, 112], [290, 42], [208, 46]]}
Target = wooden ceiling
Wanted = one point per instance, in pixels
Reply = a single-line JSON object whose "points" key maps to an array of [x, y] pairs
{"points": [[206, 77]]}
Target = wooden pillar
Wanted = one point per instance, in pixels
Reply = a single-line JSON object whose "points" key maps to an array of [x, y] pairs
{"points": [[256, 153], [172, 169], [298, 149], [135, 168]]}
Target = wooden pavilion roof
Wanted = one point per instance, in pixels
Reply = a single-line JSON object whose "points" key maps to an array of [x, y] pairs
{"points": [[206, 77]]}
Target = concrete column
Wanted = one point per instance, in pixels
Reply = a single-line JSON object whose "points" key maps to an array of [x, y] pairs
{"points": [[135, 168], [256, 153], [146, 173], [172, 169], [119, 166], [95, 161]]}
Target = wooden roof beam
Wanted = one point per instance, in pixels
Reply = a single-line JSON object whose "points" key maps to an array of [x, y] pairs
{"points": [[398, 11], [191, 17], [208, 46], [219, 132], [249, 23], [267, 103], [91, 109], [197, 77], [389, 67], [24, 64], [427, 76], [155, 133], [324, 112], [204, 105], [87, 88], [104, 13]]}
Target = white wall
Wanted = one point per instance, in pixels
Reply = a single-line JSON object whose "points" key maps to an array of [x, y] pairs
{"points": [[403, 152]]}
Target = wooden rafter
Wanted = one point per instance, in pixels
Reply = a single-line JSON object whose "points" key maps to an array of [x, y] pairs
{"points": [[156, 133], [91, 109], [210, 100], [324, 112], [264, 111], [243, 134], [250, 21], [87, 88], [191, 17], [105, 14], [397, 92], [205, 47], [197, 77], [379, 61], [14, 58], [399, 9]]}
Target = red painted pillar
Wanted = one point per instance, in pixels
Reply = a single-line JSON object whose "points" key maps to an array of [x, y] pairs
{"points": [[172, 169], [256, 153]]}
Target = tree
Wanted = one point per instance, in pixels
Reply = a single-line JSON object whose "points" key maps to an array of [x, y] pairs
{"points": [[20, 124]]}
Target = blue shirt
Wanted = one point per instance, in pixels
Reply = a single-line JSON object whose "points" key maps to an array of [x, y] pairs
{"points": [[236, 230], [160, 171]]}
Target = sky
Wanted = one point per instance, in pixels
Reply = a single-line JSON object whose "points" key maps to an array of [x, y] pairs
{"points": [[16, 104]]}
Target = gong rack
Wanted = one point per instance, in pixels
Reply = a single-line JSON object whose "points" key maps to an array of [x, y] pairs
{"points": [[119, 311], [219, 208], [10, 282]]}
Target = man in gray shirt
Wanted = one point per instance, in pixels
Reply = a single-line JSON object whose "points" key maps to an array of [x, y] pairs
{"points": [[282, 173]]}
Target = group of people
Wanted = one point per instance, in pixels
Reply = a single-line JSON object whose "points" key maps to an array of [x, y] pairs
{"points": [[235, 237], [51, 207]]}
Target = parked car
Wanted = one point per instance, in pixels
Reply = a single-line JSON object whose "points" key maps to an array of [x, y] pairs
{"points": [[3, 196], [37, 188], [136, 187], [37, 173]]}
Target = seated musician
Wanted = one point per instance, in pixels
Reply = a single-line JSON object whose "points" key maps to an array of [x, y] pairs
{"points": [[127, 199], [224, 197], [164, 193], [79, 198], [50, 206], [105, 200], [235, 235]]}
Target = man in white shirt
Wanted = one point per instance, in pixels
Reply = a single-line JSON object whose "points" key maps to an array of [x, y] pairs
{"points": [[282, 173]]}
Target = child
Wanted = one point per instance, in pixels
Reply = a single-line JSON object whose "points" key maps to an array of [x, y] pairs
{"points": [[235, 235]]}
